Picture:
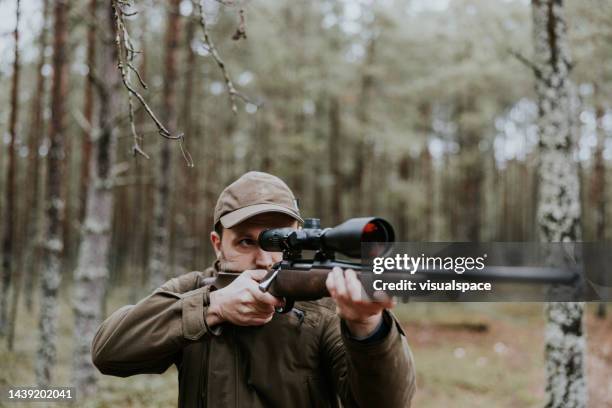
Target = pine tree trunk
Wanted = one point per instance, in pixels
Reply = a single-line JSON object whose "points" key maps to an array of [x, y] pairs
{"points": [[9, 212], [162, 222], [145, 187], [138, 262], [36, 132], [404, 233], [53, 242], [334, 160], [599, 190], [470, 170], [364, 143], [426, 166], [317, 189], [559, 210], [88, 113], [190, 175]]}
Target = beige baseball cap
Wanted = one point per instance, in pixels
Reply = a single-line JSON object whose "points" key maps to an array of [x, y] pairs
{"points": [[252, 194]]}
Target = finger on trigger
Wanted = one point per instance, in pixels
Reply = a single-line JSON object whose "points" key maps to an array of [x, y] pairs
{"points": [[272, 300], [263, 309], [265, 297]]}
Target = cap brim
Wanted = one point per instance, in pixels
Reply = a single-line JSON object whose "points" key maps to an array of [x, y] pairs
{"points": [[236, 217]]}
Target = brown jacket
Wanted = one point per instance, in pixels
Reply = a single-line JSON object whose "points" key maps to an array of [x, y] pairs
{"points": [[296, 360]]}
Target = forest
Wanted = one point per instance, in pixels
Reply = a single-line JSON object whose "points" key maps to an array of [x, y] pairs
{"points": [[457, 120]]}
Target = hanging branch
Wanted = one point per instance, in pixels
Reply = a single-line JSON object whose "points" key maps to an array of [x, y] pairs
{"points": [[125, 58], [231, 89], [241, 30], [527, 62]]}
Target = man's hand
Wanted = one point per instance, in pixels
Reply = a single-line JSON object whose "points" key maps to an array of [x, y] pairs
{"points": [[361, 314], [242, 302]]}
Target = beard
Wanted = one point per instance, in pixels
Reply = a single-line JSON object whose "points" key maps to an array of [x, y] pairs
{"points": [[228, 265]]}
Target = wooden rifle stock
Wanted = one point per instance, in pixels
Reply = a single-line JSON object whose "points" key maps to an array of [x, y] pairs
{"points": [[305, 279]]}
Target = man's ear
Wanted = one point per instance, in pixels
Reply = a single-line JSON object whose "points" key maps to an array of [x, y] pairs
{"points": [[215, 240]]}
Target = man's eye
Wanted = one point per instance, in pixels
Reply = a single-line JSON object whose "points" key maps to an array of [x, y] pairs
{"points": [[246, 242]]}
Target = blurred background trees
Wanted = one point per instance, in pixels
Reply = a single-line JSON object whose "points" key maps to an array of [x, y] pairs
{"points": [[424, 112]]}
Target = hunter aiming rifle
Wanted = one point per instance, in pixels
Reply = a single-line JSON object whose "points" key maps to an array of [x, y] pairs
{"points": [[295, 278]]}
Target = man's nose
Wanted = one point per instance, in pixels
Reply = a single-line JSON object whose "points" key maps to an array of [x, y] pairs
{"points": [[264, 259]]}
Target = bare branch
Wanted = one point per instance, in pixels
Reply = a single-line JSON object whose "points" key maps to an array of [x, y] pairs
{"points": [[241, 30], [125, 56], [85, 125], [134, 70], [136, 149], [233, 93], [527, 62]]}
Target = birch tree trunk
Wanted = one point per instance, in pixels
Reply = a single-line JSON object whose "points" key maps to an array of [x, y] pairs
{"points": [[91, 272], [559, 209], [51, 276], [161, 242], [9, 213]]}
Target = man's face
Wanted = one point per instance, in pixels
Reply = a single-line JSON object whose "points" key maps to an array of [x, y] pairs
{"points": [[237, 249]]}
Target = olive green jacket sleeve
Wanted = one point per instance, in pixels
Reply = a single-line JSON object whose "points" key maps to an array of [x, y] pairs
{"points": [[370, 374], [148, 337]]}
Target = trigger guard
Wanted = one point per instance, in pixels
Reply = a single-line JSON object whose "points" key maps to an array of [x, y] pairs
{"points": [[287, 307]]}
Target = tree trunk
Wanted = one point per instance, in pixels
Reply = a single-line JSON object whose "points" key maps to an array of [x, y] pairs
{"points": [[190, 205], [140, 194], [9, 213], [88, 112], [404, 171], [30, 258], [364, 143], [161, 245], [318, 167], [469, 195], [598, 190], [426, 167], [91, 273], [53, 245], [263, 135], [559, 210], [334, 160]]}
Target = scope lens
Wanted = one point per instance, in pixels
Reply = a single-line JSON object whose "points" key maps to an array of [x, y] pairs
{"points": [[374, 231], [377, 232]]}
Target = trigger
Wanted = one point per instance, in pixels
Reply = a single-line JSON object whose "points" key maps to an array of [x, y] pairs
{"points": [[286, 307]]}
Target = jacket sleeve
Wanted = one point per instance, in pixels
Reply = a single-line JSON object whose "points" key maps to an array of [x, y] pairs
{"points": [[370, 374], [149, 336]]}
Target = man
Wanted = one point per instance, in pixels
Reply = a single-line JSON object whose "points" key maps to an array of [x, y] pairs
{"points": [[231, 348]]}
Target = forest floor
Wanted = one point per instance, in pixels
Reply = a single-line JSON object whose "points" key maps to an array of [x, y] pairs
{"points": [[467, 355]]}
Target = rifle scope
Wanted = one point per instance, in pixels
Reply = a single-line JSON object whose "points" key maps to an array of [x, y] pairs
{"points": [[346, 238]]}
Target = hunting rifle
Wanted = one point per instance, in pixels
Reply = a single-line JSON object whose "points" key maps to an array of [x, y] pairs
{"points": [[295, 278]]}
